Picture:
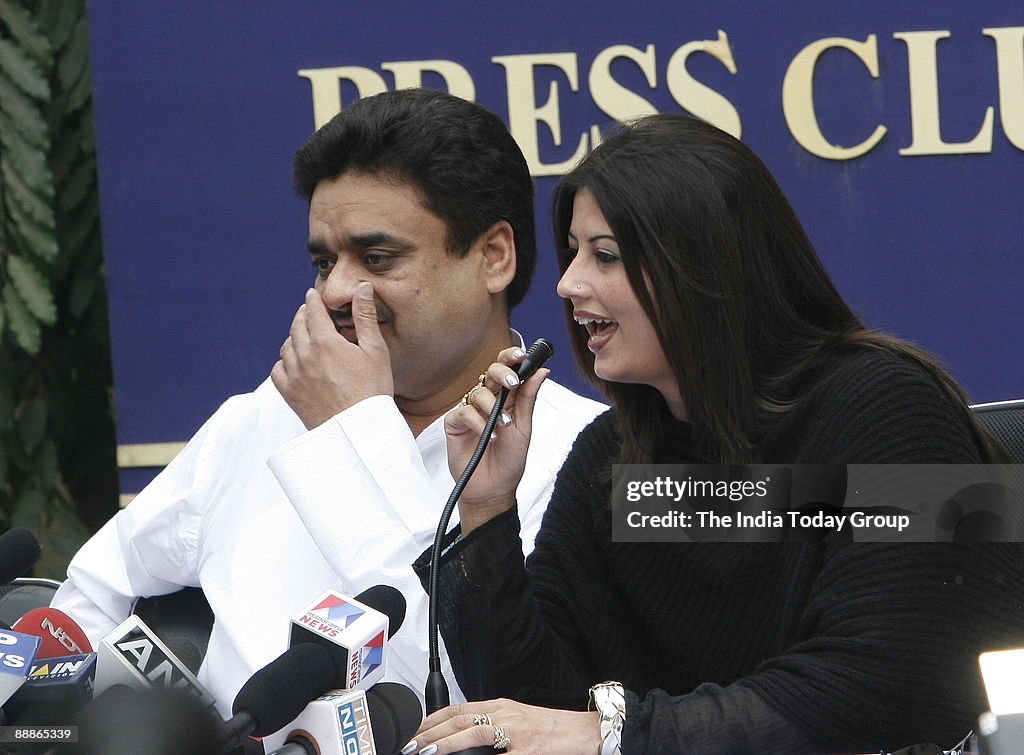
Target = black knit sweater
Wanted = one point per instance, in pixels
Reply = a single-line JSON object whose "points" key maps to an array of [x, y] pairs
{"points": [[746, 648]]}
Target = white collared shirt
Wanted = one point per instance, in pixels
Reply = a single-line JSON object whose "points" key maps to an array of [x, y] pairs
{"points": [[265, 516]]}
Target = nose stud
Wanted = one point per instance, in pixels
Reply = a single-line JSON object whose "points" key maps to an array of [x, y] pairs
{"points": [[579, 286]]}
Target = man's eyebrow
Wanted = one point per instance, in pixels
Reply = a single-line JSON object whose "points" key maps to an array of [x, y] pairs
{"points": [[360, 241], [316, 247], [377, 238]]}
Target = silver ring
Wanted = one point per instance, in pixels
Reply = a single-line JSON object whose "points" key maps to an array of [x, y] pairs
{"points": [[481, 719], [501, 741]]}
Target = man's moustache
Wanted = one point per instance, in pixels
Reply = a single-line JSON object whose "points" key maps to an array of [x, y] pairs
{"points": [[342, 318]]}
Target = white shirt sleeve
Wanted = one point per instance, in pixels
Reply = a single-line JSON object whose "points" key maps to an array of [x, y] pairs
{"points": [[370, 502], [148, 548], [371, 507]]}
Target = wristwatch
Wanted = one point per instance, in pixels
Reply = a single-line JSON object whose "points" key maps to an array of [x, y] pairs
{"points": [[609, 699]]}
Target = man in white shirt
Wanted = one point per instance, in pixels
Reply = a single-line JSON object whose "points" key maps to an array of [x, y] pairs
{"points": [[333, 473]]}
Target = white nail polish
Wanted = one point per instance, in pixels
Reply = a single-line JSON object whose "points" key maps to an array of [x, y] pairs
{"points": [[494, 437], [505, 419], [410, 748], [511, 381], [428, 750], [519, 353]]}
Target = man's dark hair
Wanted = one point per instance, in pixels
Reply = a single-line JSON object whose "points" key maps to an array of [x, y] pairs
{"points": [[462, 159]]}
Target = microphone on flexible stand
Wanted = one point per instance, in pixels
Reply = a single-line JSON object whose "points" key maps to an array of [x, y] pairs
{"points": [[436, 689]]}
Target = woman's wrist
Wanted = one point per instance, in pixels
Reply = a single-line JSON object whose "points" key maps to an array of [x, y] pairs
{"points": [[473, 514]]}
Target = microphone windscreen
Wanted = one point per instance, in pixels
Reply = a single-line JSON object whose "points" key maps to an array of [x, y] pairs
{"points": [[59, 634], [156, 721], [389, 601], [395, 714], [19, 551], [279, 691]]}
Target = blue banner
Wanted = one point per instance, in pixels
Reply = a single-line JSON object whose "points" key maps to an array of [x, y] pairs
{"points": [[896, 129]]}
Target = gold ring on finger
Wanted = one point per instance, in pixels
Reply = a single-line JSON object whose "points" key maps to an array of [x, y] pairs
{"points": [[501, 740], [467, 398]]}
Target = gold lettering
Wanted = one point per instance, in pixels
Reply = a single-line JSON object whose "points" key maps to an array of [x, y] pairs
{"points": [[698, 98], [924, 100], [1010, 59], [798, 97], [409, 75], [614, 99], [326, 85], [524, 114]]}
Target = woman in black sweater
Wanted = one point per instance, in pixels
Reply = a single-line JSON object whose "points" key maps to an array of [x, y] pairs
{"points": [[698, 304]]}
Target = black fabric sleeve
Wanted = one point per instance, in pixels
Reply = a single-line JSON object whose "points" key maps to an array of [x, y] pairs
{"points": [[497, 641], [507, 637]]}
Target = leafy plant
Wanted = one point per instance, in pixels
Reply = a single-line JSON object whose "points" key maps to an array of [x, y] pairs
{"points": [[57, 447]]}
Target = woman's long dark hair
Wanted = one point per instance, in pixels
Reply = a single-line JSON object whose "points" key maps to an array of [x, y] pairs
{"points": [[727, 275]]}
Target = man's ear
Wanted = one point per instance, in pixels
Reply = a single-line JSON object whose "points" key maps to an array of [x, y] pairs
{"points": [[498, 246]]}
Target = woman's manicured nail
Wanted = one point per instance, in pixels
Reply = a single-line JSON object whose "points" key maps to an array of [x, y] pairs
{"points": [[511, 380], [505, 419], [428, 750], [410, 748]]}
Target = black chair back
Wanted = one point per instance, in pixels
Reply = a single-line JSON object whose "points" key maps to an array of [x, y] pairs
{"points": [[1005, 421], [24, 594]]}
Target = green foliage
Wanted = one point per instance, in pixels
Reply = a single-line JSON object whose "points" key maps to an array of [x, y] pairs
{"points": [[57, 449]]}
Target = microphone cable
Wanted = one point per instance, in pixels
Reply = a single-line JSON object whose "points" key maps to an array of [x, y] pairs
{"points": [[436, 690]]}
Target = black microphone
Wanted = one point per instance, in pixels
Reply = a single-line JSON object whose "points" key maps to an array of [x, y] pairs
{"points": [[358, 647], [395, 715], [132, 654], [539, 352], [436, 689], [157, 721], [19, 551], [278, 692], [389, 601]]}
